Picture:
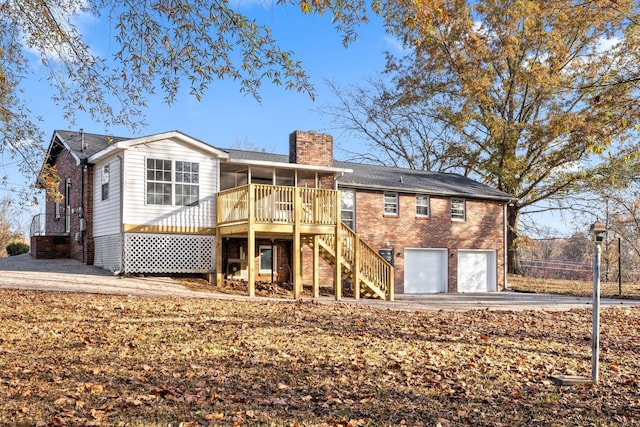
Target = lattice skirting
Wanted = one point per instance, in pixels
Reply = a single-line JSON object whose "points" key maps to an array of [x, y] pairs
{"points": [[168, 253], [108, 252]]}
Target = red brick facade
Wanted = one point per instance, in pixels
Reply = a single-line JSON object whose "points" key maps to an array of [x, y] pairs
{"points": [[76, 181], [482, 229]]}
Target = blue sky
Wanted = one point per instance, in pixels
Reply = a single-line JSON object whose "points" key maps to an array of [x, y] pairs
{"points": [[225, 117]]}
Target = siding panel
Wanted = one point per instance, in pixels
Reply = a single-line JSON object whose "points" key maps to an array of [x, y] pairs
{"points": [[137, 212], [106, 213]]}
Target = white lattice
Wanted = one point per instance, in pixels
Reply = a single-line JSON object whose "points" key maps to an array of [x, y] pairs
{"points": [[108, 252], [168, 253]]}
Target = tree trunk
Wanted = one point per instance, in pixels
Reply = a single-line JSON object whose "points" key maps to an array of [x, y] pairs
{"points": [[513, 263]]}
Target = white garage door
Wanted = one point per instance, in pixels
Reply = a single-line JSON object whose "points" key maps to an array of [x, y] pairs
{"points": [[476, 271], [425, 271]]}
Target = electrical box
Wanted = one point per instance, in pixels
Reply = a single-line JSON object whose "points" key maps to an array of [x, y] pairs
{"points": [[83, 224]]}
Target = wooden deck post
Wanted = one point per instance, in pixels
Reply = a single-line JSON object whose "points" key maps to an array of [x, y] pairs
{"points": [[251, 243], [316, 266], [338, 267], [297, 250], [219, 276], [356, 266]]}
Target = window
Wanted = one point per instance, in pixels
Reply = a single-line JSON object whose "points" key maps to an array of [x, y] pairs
{"points": [[58, 206], [105, 182], [158, 182], [187, 180], [422, 205], [458, 209], [162, 183], [390, 203], [267, 259], [347, 208], [67, 204]]}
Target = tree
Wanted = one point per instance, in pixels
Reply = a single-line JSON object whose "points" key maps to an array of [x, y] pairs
{"points": [[535, 98], [161, 46], [10, 231]]}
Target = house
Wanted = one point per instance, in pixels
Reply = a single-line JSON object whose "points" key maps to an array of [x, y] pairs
{"points": [[169, 203]]}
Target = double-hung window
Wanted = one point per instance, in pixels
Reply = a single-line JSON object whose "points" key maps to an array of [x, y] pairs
{"points": [[187, 183], [391, 204], [422, 205], [105, 182], [458, 210], [172, 183], [347, 208]]}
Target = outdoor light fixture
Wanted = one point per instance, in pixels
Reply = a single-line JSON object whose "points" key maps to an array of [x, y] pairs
{"points": [[598, 232]]}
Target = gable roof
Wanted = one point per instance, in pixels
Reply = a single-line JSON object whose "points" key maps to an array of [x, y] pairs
{"points": [[81, 145], [385, 178]]}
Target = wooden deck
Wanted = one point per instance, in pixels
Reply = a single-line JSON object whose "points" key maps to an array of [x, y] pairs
{"points": [[306, 215]]}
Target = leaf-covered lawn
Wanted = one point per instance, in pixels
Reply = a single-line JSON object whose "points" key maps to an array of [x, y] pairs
{"points": [[80, 359], [573, 287]]}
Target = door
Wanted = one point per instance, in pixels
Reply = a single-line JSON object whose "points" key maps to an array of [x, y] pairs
{"points": [[476, 271], [425, 271]]}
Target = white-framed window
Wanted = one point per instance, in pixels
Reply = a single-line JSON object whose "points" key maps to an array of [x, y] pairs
{"points": [[159, 182], [458, 210], [187, 183], [67, 206], [267, 258], [391, 204], [104, 179], [422, 205], [163, 184], [348, 208]]}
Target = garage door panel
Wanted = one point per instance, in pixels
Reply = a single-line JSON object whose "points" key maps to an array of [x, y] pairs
{"points": [[424, 271], [476, 271]]}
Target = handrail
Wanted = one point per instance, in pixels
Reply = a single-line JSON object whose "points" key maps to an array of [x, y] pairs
{"points": [[369, 267], [277, 204]]}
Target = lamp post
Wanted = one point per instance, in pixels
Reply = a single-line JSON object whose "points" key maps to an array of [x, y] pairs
{"points": [[598, 232]]}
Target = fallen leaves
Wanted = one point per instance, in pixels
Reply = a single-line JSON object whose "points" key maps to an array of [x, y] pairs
{"points": [[75, 359]]}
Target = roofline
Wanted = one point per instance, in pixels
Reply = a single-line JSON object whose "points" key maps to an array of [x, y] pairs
{"points": [[124, 145], [284, 165], [505, 199], [66, 146]]}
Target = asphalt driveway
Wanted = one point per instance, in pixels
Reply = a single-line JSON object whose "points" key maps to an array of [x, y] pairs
{"points": [[24, 272]]}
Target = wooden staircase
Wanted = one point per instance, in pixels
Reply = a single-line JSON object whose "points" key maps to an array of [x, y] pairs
{"points": [[370, 274]]}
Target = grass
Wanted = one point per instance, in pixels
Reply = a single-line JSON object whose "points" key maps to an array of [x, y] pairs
{"points": [[82, 359], [572, 287]]}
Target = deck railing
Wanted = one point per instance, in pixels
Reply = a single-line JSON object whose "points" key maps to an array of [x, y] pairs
{"points": [[368, 267], [277, 204]]}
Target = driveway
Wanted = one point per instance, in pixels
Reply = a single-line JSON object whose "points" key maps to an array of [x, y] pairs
{"points": [[24, 272]]}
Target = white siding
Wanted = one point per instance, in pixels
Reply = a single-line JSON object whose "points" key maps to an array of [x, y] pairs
{"points": [[108, 252], [106, 213], [137, 212]]}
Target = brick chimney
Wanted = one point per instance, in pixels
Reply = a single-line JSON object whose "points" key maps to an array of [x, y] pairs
{"points": [[311, 148]]}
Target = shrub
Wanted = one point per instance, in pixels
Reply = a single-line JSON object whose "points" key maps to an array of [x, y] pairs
{"points": [[17, 248]]}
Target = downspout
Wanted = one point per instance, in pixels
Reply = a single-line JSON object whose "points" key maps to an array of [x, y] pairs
{"points": [[83, 170], [121, 161]]}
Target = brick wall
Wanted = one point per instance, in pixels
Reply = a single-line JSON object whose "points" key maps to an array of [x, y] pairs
{"points": [[483, 229], [79, 177], [282, 273], [311, 148], [49, 247]]}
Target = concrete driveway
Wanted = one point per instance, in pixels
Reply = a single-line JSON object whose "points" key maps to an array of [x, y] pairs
{"points": [[24, 272]]}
